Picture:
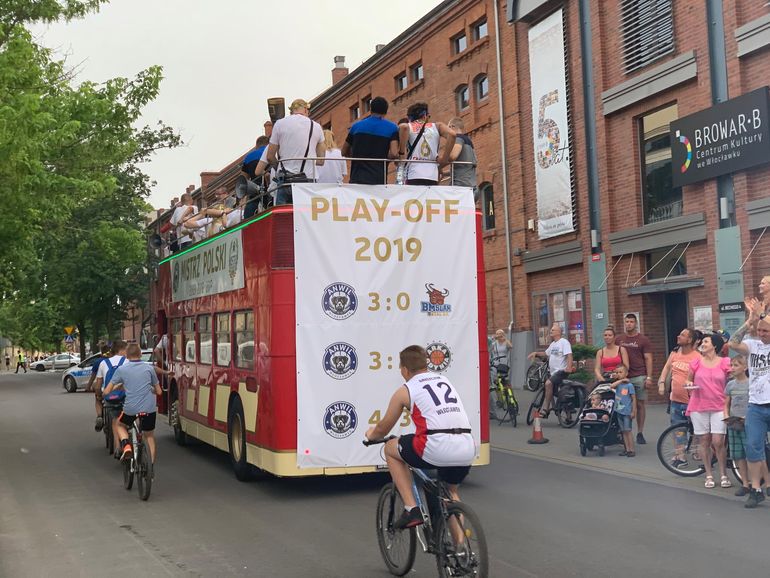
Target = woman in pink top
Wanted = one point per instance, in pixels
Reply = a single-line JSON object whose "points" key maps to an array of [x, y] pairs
{"points": [[707, 378], [609, 356]]}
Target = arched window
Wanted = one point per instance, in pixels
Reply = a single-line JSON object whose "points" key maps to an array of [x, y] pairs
{"points": [[482, 86], [487, 206], [462, 97]]}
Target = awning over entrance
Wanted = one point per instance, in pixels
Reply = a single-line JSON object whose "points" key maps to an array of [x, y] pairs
{"points": [[666, 287]]}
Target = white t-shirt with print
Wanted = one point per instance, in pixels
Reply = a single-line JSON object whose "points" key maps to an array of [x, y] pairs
{"points": [[557, 354], [759, 371], [291, 135], [176, 220], [332, 171]]}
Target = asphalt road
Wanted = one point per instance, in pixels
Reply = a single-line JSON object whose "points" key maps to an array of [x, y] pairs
{"points": [[64, 512]]}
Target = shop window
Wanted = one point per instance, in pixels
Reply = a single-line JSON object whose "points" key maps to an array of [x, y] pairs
{"points": [[480, 30], [666, 263], [564, 308], [366, 104], [459, 43], [401, 82], [244, 339], [647, 28], [223, 339], [355, 112], [462, 97], [417, 72], [488, 206], [204, 334], [189, 339], [661, 200], [482, 86], [176, 330]]}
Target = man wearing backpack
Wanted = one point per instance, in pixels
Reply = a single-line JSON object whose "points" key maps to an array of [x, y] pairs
{"points": [[113, 401]]}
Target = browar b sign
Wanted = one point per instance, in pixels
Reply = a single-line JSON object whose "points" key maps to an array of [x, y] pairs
{"points": [[728, 137]]}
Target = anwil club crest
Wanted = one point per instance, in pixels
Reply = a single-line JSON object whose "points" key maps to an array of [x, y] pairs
{"points": [[339, 301], [340, 419], [340, 360]]}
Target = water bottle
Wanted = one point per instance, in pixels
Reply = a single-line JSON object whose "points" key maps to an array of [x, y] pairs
{"points": [[401, 173]]}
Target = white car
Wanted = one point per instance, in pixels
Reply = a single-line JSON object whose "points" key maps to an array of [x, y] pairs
{"points": [[58, 361], [76, 377]]}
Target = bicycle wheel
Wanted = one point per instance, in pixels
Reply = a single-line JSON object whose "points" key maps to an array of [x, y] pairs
{"points": [[536, 404], [107, 429], [498, 405], [461, 546], [144, 472], [535, 379], [568, 413], [513, 405], [397, 547], [128, 475], [678, 451]]}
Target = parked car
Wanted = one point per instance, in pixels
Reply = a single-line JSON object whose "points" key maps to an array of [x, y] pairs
{"points": [[58, 361], [76, 377]]}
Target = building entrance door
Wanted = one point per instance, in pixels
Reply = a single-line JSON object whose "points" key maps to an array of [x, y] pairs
{"points": [[675, 307]]}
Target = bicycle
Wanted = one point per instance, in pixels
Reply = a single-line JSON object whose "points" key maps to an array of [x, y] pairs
{"points": [[568, 399], [451, 530], [140, 463], [503, 406], [537, 374], [108, 410]]}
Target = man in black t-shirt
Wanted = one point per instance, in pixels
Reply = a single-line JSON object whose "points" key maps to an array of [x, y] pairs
{"points": [[373, 137]]}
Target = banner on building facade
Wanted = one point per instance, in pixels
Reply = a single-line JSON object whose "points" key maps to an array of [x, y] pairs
{"points": [[553, 164], [214, 267], [728, 137], [378, 268]]}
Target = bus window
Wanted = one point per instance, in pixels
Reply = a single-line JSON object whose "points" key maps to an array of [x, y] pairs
{"points": [[244, 339], [189, 339], [223, 339], [176, 329], [204, 333]]}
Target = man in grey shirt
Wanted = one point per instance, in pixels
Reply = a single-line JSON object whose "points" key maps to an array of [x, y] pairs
{"points": [[463, 175], [140, 381]]}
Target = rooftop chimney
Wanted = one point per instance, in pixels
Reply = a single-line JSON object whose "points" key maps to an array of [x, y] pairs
{"points": [[378, 47], [339, 71]]}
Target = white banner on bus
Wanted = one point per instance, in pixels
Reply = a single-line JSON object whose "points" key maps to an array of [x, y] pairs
{"points": [[378, 268], [553, 164], [211, 268]]}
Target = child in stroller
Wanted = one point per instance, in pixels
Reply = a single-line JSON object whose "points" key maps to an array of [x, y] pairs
{"points": [[598, 424]]}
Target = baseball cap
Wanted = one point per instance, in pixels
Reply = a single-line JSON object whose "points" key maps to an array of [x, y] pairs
{"points": [[299, 103]]}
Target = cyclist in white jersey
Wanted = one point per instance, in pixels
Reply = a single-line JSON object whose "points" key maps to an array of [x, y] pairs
{"points": [[442, 439], [423, 144]]}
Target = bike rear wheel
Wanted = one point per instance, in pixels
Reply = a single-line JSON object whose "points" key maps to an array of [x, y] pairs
{"points": [[499, 406], [535, 406], [677, 442], [535, 378], [144, 472], [568, 413], [398, 547], [461, 545], [128, 475], [109, 442]]}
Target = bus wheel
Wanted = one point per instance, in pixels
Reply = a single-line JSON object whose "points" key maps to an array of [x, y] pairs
{"points": [[236, 441], [179, 436]]}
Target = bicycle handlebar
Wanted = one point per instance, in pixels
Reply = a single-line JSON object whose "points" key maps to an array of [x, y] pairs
{"points": [[368, 443]]}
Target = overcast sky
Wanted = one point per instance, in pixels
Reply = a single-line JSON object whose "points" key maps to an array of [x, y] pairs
{"points": [[222, 60]]}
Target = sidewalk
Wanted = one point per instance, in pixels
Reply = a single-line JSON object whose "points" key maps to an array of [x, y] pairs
{"points": [[563, 447]]}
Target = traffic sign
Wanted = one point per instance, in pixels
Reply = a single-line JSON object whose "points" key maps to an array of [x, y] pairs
{"points": [[69, 329], [69, 339]]}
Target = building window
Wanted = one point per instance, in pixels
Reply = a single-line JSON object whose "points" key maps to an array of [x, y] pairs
{"points": [[204, 334], [482, 87], [244, 339], [488, 207], [417, 72], [401, 82], [459, 43], [661, 200], [480, 30], [176, 330], [223, 339], [666, 263], [462, 97], [564, 308], [355, 112], [189, 339], [366, 104], [648, 31]]}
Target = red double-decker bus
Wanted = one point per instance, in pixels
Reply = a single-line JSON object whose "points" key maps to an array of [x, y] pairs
{"points": [[227, 307]]}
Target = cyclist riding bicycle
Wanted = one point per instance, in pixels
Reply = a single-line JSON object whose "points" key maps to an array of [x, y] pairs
{"points": [[104, 354], [139, 381], [442, 439], [113, 401]]}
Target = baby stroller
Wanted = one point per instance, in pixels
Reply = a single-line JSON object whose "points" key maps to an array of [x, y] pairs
{"points": [[598, 427]]}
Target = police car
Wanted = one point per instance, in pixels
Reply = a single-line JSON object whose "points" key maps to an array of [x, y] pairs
{"points": [[76, 377]]}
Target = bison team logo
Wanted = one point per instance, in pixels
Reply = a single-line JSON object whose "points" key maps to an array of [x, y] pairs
{"points": [[340, 419], [436, 305], [339, 301], [439, 356], [340, 360]]}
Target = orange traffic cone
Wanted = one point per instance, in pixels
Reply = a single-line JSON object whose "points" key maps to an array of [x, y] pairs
{"points": [[537, 432]]}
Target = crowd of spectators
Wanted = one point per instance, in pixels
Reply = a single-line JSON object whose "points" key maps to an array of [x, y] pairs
{"points": [[296, 149]]}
